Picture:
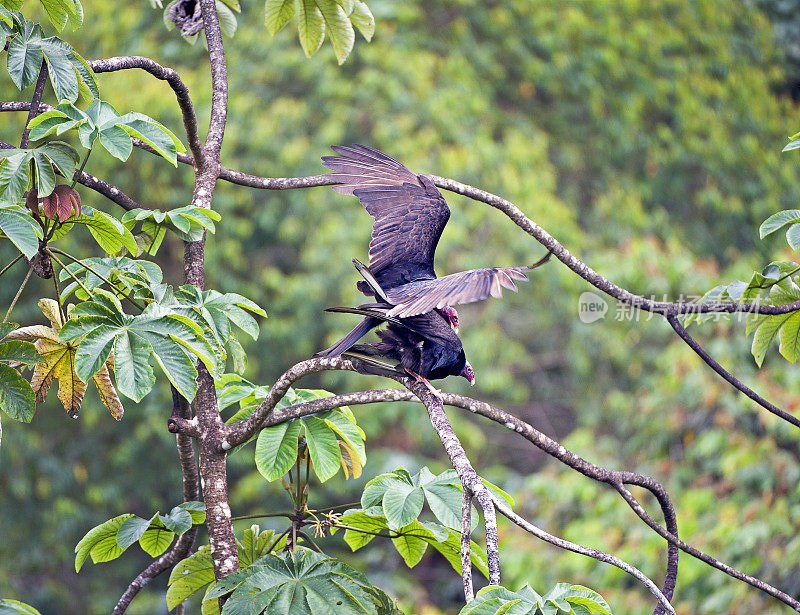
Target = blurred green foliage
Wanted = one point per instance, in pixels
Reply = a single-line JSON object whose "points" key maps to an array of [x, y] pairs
{"points": [[645, 137]]}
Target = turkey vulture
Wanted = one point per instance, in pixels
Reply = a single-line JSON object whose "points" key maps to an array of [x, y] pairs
{"points": [[410, 215], [424, 346]]}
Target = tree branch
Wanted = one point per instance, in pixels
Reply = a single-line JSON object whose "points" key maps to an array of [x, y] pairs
{"points": [[593, 553], [163, 73], [33, 111], [470, 480], [191, 492], [466, 547], [726, 375]]}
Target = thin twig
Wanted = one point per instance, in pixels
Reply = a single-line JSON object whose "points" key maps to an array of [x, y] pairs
{"points": [[726, 375], [72, 275], [11, 264], [165, 74], [593, 553], [19, 292]]}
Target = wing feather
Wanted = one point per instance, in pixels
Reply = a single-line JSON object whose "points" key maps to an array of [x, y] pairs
{"points": [[409, 211], [463, 287]]}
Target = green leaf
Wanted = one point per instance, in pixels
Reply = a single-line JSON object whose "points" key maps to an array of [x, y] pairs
{"points": [[100, 542], [190, 576], [402, 503], [131, 530], [277, 13], [196, 510], [790, 338], [15, 607], [363, 20], [19, 352], [299, 582], [178, 520], [17, 399], [777, 221], [156, 540], [63, 75], [276, 449], [109, 234], [46, 123], [25, 56], [323, 447], [157, 136], [116, 141], [338, 28], [310, 26], [410, 544], [227, 20], [21, 230], [14, 173], [371, 520], [132, 372]]}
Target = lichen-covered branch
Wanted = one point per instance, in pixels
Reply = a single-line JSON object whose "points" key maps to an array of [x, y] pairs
{"points": [[470, 480], [466, 547]]}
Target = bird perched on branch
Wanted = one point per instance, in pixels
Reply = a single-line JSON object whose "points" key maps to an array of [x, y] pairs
{"points": [[410, 215]]}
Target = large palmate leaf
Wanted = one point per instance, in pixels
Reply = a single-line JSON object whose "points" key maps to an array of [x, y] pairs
{"points": [[70, 75], [318, 18], [119, 274], [302, 582], [331, 439], [101, 123], [196, 572], [23, 168], [109, 233], [188, 223], [170, 340], [563, 598], [411, 540], [401, 496], [17, 398], [57, 362]]}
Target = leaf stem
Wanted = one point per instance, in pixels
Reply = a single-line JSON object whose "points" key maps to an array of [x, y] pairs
{"points": [[11, 264], [105, 279], [58, 294], [19, 292], [259, 516], [313, 544], [79, 171], [69, 273]]}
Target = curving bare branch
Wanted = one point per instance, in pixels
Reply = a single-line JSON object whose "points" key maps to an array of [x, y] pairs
{"points": [[163, 73], [726, 375], [589, 552]]}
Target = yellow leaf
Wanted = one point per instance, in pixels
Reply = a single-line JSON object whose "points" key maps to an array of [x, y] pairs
{"points": [[52, 312], [351, 465], [34, 333], [44, 372], [71, 389], [108, 394]]}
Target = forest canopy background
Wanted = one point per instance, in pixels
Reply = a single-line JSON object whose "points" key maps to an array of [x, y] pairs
{"points": [[645, 137]]}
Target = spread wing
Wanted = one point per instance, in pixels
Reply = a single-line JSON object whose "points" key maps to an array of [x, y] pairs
{"points": [[463, 287], [409, 211]]}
